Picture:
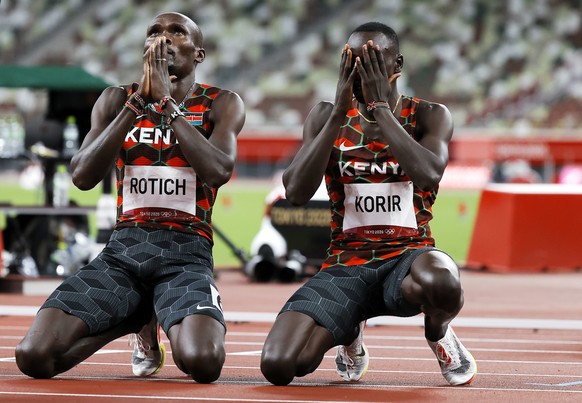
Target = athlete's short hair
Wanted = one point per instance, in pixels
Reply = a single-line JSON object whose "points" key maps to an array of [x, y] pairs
{"points": [[375, 26]]}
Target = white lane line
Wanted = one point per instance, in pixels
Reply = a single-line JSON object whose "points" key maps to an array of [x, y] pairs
{"points": [[266, 317], [318, 384], [165, 397]]}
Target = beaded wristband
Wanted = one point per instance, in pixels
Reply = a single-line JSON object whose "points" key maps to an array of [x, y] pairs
{"points": [[139, 99], [164, 101], [133, 108], [377, 105], [173, 116], [135, 103]]}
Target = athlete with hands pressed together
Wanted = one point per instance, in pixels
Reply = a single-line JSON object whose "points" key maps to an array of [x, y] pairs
{"points": [[382, 155], [173, 144]]}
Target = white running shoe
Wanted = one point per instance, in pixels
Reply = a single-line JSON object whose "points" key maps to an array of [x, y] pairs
{"points": [[457, 364], [351, 362], [146, 361]]}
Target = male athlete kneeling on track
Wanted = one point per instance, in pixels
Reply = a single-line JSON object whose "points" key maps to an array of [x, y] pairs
{"points": [[382, 154], [173, 143]]}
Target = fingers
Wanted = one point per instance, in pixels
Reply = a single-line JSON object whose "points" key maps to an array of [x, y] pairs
{"points": [[160, 50], [361, 69], [158, 69], [147, 80], [352, 76], [381, 64], [346, 61], [372, 54]]}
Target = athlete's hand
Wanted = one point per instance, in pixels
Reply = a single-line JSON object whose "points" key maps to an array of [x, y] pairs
{"points": [[344, 91], [375, 82], [160, 81], [145, 85]]}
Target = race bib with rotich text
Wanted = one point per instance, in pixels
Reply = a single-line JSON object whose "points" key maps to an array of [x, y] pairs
{"points": [[159, 187], [379, 210]]}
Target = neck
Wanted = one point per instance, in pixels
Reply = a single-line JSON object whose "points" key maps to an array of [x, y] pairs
{"points": [[181, 87]]}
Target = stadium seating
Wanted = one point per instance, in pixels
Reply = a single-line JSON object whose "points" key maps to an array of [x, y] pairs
{"points": [[495, 64]]}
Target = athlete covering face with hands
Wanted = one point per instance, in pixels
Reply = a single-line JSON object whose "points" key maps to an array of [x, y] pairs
{"points": [[172, 141], [382, 155]]}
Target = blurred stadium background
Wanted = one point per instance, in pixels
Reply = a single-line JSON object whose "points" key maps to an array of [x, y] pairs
{"points": [[510, 72]]}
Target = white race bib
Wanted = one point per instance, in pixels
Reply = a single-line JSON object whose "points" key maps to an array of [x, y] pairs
{"points": [[379, 209], [159, 186]]}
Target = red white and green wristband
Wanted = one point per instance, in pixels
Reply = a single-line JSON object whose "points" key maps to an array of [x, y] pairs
{"points": [[173, 116], [164, 101], [372, 106]]}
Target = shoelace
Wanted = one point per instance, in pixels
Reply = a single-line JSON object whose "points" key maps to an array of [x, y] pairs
{"points": [[346, 358], [142, 346], [444, 355]]}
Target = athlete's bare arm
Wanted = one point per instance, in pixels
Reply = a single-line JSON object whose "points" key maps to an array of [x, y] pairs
{"points": [[304, 174], [110, 121], [109, 124], [213, 159]]}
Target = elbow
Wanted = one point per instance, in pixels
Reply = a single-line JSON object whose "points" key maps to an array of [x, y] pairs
{"points": [[428, 182], [81, 182], [295, 198], [221, 177], [80, 179], [293, 194]]}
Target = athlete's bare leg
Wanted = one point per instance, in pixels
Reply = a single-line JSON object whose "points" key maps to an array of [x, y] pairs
{"points": [[198, 347], [294, 347], [434, 283], [57, 341]]}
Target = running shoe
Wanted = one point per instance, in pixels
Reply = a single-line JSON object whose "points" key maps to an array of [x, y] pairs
{"points": [[145, 360], [351, 362], [457, 364]]}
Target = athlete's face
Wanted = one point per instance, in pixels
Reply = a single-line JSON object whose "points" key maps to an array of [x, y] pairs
{"points": [[392, 59], [183, 40]]}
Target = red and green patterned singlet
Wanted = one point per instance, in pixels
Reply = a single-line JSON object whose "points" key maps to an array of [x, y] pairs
{"points": [[156, 186], [376, 211]]}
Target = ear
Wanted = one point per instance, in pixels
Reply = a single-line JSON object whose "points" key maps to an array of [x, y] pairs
{"points": [[200, 55], [399, 64]]}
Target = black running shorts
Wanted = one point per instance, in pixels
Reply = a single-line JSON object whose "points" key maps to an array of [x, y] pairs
{"points": [[340, 297], [169, 268]]}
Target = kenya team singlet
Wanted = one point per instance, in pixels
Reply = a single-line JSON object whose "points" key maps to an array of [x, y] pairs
{"points": [[156, 186], [376, 211]]}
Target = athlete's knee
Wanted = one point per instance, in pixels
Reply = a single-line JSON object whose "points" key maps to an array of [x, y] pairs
{"points": [[204, 365], [443, 289], [35, 360], [277, 367]]}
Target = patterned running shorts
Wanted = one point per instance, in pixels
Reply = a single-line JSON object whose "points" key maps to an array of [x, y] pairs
{"points": [[139, 266], [340, 297]]}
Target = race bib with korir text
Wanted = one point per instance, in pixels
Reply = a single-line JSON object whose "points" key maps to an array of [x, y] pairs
{"points": [[379, 210]]}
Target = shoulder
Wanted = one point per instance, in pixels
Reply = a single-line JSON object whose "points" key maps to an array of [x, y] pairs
{"points": [[228, 96], [120, 91], [115, 96], [428, 109], [227, 107], [217, 94], [433, 114], [320, 111], [112, 99]]}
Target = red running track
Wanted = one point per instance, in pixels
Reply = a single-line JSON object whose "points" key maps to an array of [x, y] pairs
{"points": [[523, 330]]}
